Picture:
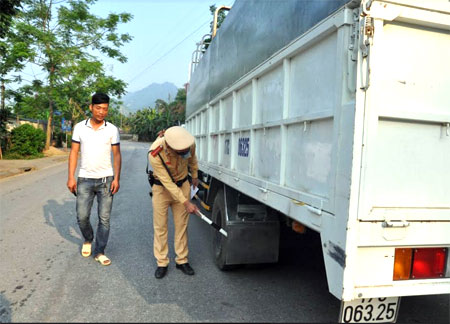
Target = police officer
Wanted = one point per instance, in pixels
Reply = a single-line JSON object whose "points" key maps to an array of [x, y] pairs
{"points": [[170, 156]]}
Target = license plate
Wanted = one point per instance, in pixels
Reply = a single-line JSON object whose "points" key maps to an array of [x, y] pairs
{"points": [[370, 310]]}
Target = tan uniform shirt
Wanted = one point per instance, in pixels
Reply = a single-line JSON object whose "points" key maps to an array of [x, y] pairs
{"points": [[177, 166]]}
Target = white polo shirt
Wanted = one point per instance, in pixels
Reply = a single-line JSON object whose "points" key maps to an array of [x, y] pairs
{"points": [[95, 148]]}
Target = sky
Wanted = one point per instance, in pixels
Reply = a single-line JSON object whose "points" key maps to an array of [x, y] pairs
{"points": [[165, 33]]}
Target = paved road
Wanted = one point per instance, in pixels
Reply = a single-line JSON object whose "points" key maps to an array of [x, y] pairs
{"points": [[44, 278]]}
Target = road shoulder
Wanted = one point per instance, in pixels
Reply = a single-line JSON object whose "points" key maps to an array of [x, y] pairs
{"points": [[53, 156]]}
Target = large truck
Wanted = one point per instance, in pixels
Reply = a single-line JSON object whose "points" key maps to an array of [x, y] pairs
{"points": [[331, 116]]}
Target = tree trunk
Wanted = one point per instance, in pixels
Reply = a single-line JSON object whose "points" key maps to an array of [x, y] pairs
{"points": [[50, 109], [3, 94], [2, 107], [49, 125]]}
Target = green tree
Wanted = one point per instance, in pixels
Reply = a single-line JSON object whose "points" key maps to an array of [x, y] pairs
{"points": [[14, 48], [81, 78], [148, 122], [178, 107], [161, 105], [115, 115], [63, 40], [31, 100], [8, 9], [14, 51], [143, 123]]}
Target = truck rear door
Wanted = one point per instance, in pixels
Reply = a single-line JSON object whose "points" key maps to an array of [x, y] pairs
{"points": [[406, 145]]}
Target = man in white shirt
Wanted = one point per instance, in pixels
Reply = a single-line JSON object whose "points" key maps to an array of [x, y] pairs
{"points": [[96, 177]]}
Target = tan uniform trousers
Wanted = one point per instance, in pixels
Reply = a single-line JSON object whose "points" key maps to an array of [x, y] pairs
{"points": [[161, 201]]}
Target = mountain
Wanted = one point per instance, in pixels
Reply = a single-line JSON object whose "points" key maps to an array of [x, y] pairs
{"points": [[146, 97]]}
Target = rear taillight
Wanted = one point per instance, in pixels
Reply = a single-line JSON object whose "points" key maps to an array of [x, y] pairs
{"points": [[402, 264], [429, 263], [420, 263]]}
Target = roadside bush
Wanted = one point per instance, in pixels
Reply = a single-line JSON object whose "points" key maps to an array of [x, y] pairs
{"points": [[26, 141]]}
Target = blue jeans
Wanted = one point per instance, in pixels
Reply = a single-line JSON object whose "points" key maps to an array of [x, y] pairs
{"points": [[87, 189]]}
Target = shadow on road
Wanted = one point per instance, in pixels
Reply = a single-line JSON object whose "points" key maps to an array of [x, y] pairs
{"points": [[5, 309], [62, 217]]}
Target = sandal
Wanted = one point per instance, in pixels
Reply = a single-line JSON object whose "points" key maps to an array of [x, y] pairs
{"points": [[86, 250], [103, 259]]}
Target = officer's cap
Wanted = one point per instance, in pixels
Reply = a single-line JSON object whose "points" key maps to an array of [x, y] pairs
{"points": [[178, 138]]}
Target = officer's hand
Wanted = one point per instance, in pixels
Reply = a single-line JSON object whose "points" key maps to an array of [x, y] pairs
{"points": [[190, 207], [195, 182]]}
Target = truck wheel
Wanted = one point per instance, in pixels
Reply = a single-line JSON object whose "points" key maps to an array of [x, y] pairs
{"points": [[218, 240]]}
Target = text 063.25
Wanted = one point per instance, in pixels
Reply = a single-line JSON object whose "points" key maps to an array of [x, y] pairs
{"points": [[369, 310]]}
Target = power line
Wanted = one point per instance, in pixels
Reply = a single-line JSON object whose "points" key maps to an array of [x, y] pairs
{"points": [[164, 55], [169, 51], [169, 35]]}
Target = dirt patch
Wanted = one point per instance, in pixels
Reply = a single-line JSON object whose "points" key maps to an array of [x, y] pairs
{"points": [[52, 151]]}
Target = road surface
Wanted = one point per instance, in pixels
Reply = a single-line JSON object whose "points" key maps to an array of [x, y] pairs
{"points": [[44, 277]]}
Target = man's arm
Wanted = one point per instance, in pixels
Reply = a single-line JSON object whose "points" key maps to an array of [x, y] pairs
{"points": [[73, 160], [117, 156]]}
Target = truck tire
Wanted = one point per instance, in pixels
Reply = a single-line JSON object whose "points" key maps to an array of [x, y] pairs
{"points": [[219, 242]]}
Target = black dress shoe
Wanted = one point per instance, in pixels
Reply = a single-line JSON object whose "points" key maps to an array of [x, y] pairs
{"points": [[186, 268], [160, 272]]}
